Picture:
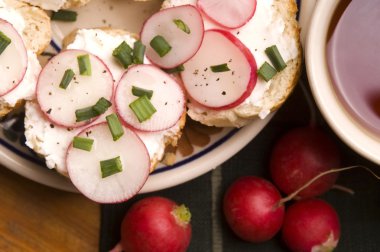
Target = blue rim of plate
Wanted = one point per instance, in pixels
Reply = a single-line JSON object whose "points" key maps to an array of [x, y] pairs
{"points": [[193, 157]]}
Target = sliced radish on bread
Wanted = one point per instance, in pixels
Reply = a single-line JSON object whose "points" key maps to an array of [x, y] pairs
{"points": [[228, 13], [167, 98], [173, 35], [65, 105], [104, 185], [223, 72], [13, 58]]}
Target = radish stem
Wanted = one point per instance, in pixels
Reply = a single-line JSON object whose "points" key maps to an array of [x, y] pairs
{"points": [[295, 193], [343, 189]]}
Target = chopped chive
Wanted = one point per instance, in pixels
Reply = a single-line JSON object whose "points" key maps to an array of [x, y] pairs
{"points": [[142, 108], [136, 91], [84, 64], [66, 79], [83, 143], [266, 71], [123, 54], [275, 57], [111, 166], [160, 45], [85, 114], [220, 68], [102, 105], [4, 42], [115, 126], [138, 52], [182, 25], [64, 15], [177, 69]]}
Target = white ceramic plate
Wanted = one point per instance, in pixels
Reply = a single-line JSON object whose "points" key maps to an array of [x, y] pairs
{"points": [[130, 16]]}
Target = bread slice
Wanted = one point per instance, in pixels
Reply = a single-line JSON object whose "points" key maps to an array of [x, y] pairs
{"points": [[55, 5], [36, 35], [280, 87], [43, 138]]}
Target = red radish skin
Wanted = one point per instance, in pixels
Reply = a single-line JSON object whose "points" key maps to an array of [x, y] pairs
{"points": [[221, 90], [251, 210], [156, 224], [184, 44], [13, 61], [229, 14], [311, 225], [300, 155]]}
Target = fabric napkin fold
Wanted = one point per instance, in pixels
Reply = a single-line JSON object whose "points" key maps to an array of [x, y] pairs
{"points": [[359, 213]]}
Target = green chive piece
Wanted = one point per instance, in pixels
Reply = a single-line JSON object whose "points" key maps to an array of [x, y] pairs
{"points": [[102, 105], [182, 25], [85, 114], [276, 58], [220, 68], [142, 108], [160, 45], [4, 42], [66, 79], [115, 126], [83, 143], [84, 64], [123, 54], [138, 52], [266, 71], [177, 69], [64, 15], [111, 166], [136, 91]]}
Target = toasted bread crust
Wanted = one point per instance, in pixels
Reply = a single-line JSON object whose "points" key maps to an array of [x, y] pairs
{"points": [[37, 32], [75, 3]]}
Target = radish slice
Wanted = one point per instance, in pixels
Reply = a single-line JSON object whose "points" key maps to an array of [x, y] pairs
{"points": [[60, 104], [13, 60], [168, 98], [228, 13], [84, 166], [171, 25], [220, 90]]}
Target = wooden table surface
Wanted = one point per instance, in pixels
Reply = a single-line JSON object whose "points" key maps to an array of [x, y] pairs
{"points": [[34, 217]]}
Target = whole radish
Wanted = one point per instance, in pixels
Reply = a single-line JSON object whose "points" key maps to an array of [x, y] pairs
{"points": [[300, 155], [251, 209], [156, 224], [311, 225]]}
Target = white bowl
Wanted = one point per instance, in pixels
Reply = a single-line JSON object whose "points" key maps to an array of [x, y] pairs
{"points": [[359, 138]]}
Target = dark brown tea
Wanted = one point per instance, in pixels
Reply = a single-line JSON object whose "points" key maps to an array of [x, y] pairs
{"points": [[354, 60]]}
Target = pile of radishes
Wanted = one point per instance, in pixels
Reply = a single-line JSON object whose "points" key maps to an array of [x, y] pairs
{"points": [[253, 207]]}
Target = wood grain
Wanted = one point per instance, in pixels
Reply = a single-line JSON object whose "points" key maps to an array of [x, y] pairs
{"points": [[34, 217]]}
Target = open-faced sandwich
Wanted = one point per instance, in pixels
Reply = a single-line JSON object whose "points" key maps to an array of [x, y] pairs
{"points": [[64, 112], [261, 39], [56, 5], [25, 33]]}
